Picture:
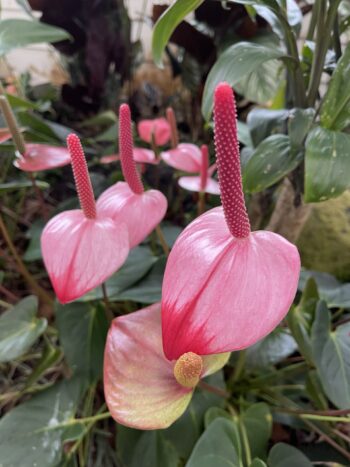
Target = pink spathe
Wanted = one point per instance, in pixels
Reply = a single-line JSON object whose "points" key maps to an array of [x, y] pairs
{"points": [[157, 128], [226, 287], [186, 157], [128, 202], [140, 155], [42, 157], [82, 248]]}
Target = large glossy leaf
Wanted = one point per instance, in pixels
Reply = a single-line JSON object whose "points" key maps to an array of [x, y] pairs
{"points": [[258, 463], [331, 353], [294, 16], [32, 433], [218, 446], [167, 23], [335, 110], [269, 163], [284, 455], [235, 64], [82, 332], [16, 33], [19, 329], [333, 292], [327, 164], [299, 125], [266, 122], [257, 420]]}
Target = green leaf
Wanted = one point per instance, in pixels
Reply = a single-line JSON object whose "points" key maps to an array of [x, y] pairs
{"points": [[333, 292], [299, 125], [16, 33], [284, 455], [269, 163], [20, 103], [265, 122], [236, 63], [19, 329], [244, 135], [153, 450], [218, 446], [327, 164], [82, 333], [38, 125], [31, 434], [258, 463], [33, 251], [167, 23], [335, 110], [257, 420], [274, 348], [20, 184], [213, 413], [49, 358], [331, 353]]}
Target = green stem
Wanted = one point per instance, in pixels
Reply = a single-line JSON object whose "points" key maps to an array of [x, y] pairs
{"points": [[239, 368], [13, 125], [201, 203], [214, 390], [162, 240], [245, 441], [313, 22], [108, 311], [42, 294]]}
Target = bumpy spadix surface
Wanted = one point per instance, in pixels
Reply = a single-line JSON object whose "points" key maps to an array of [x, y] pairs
{"points": [[160, 129], [42, 157], [226, 287], [139, 383]]}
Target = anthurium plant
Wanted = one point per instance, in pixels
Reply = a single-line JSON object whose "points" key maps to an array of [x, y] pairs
{"points": [[160, 300]]}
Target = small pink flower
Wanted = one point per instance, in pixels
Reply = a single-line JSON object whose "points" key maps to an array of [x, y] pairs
{"points": [[39, 157], [158, 129], [203, 183], [225, 287], [128, 202], [142, 388], [140, 155], [83, 247]]}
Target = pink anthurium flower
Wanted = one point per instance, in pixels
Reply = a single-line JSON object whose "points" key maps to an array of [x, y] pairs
{"points": [[203, 183], [83, 247], [128, 202], [156, 130], [225, 287], [142, 388], [140, 155]]}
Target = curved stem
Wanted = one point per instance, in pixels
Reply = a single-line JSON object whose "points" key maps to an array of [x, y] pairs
{"points": [[13, 125], [204, 166]]}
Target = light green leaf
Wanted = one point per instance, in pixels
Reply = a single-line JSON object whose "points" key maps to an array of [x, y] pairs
{"points": [[335, 110], [167, 23], [258, 463], [284, 455], [327, 164], [20, 184], [331, 353], [213, 413], [235, 64], [257, 420], [299, 125], [269, 163], [19, 329], [333, 292], [16, 33]]}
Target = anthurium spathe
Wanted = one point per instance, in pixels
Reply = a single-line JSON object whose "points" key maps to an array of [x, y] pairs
{"points": [[155, 131], [140, 155], [202, 183], [83, 247], [32, 157], [127, 201], [142, 388], [225, 287]]}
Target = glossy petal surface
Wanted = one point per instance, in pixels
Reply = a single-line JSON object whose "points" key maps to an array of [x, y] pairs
{"points": [[221, 293], [42, 157], [159, 126], [140, 212], [194, 184], [80, 253], [140, 388], [185, 156], [145, 156]]}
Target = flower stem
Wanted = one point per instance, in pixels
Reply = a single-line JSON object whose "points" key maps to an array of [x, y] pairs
{"points": [[42, 294], [170, 115], [201, 203], [108, 311], [162, 240], [13, 125], [40, 196], [214, 390]]}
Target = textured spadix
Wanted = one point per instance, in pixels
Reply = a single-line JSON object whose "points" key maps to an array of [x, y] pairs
{"points": [[225, 287], [127, 202], [158, 129], [139, 383], [82, 248]]}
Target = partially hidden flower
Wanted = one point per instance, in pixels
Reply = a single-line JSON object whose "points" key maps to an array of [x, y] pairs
{"points": [[5, 135], [225, 287], [32, 157], [83, 247], [142, 388], [155, 131], [202, 183], [127, 201], [140, 155]]}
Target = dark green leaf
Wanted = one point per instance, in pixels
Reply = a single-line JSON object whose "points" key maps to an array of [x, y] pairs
{"points": [[265, 122], [167, 23], [258, 463], [20, 32], [269, 163], [33, 252], [257, 420], [284, 455], [20, 184], [218, 446], [82, 332], [331, 353], [20, 103], [213, 413], [327, 164], [235, 64], [332, 291], [299, 125], [244, 135], [38, 125], [335, 110], [19, 329], [152, 450], [49, 358]]}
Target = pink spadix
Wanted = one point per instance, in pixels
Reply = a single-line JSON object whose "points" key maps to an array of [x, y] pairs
{"points": [[127, 201], [226, 287], [155, 131], [202, 183], [83, 247]]}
